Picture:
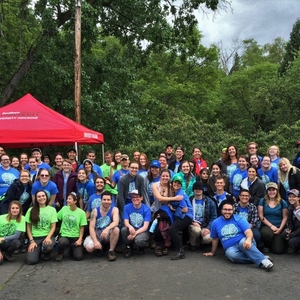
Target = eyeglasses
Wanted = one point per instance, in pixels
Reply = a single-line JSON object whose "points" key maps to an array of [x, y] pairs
{"points": [[44, 175], [5, 159]]}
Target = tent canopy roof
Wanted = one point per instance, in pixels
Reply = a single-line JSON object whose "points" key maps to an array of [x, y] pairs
{"points": [[28, 123]]}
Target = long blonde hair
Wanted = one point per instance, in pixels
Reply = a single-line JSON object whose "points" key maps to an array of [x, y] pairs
{"points": [[283, 176]]}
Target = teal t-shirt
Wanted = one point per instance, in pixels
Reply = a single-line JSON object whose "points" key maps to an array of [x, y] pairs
{"points": [[47, 217], [273, 215], [72, 220], [8, 228]]}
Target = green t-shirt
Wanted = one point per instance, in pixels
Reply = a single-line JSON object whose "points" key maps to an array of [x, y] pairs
{"points": [[47, 217], [72, 220], [9, 228], [106, 173]]}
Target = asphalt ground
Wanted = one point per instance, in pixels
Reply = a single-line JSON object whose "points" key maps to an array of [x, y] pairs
{"points": [[150, 277]]}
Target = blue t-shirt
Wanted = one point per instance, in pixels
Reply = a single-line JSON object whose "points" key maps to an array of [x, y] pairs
{"points": [[42, 165], [269, 176], [275, 162], [137, 216], [143, 172], [199, 211], [220, 198], [230, 169], [243, 212], [178, 205], [273, 215], [149, 190], [95, 202], [229, 232], [7, 177], [236, 179], [50, 188], [118, 174], [85, 190]]}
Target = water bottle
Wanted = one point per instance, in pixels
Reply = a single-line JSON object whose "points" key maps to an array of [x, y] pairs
{"points": [[153, 225]]}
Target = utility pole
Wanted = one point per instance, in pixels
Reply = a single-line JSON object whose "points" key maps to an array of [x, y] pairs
{"points": [[77, 64]]}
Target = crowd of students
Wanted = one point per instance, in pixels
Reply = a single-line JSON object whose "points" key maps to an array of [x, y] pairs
{"points": [[135, 203]]}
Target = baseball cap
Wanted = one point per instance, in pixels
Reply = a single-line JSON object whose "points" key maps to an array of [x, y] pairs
{"points": [[169, 145], [272, 185], [155, 163], [36, 149], [124, 156], [180, 148], [134, 192], [294, 192]]}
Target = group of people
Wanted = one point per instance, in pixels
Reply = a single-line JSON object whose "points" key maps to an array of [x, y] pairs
{"points": [[248, 202]]}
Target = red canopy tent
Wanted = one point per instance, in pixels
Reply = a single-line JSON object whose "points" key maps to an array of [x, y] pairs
{"points": [[27, 123]]}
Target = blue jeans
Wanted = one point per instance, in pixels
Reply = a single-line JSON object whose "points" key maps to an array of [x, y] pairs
{"points": [[238, 254]]}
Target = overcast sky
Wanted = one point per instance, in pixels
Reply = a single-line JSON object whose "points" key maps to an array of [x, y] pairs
{"points": [[263, 20]]}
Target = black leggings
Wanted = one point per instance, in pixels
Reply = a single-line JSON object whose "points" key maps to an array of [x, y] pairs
{"points": [[178, 225]]}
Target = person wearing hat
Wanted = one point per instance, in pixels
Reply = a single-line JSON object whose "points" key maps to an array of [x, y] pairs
{"points": [[169, 154], [152, 177], [72, 157], [182, 215], [37, 154], [204, 212], [119, 173], [137, 217], [273, 213], [292, 233], [179, 157], [91, 156]]}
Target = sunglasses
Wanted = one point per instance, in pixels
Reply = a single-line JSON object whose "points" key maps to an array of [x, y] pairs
{"points": [[44, 175]]}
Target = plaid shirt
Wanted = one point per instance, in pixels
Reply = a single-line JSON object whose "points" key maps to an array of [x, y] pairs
{"points": [[252, 213]]}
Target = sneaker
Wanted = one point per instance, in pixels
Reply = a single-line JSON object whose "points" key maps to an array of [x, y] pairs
{"points": [[9, 257], [267, 264], [59, 257], [269, 258], [128, 252], [111, 255]]}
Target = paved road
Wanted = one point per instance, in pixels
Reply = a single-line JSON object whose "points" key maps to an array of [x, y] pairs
{"points": [[150, 277]]}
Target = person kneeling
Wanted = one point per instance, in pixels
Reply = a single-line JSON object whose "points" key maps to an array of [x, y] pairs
{"points": [[137, 217], [103, 227], [72, 228], [237, 239]]}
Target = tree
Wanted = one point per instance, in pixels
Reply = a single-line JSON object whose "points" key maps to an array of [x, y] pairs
{"points": [[292, 48], [132, 21]]}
